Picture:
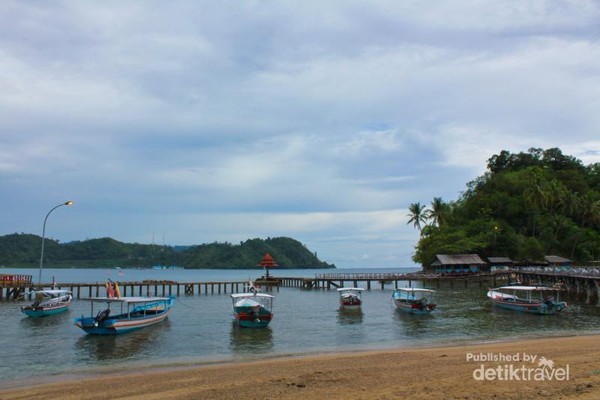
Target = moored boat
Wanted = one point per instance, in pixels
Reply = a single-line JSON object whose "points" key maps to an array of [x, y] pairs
{"points": [[252, 310], [413, 300], [48, 302], [132, 312], [529, 299], [350, 298]]}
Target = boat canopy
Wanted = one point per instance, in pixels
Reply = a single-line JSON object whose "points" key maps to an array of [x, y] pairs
{"points": [[50, 292], [346, 289], [126, 299], [242, 295], [416, 290], [527, 288]]}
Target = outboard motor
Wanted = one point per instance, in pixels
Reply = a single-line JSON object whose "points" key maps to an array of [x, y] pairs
{"points": [[102, 315]]}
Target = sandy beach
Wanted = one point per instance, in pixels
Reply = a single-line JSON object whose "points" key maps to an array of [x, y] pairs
{"points": [[550, 368]]}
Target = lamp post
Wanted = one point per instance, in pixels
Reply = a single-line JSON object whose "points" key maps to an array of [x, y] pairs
{"points": [[68, 203]]}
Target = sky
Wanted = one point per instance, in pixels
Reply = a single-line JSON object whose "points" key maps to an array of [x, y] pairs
{"points": [[190, 122]]}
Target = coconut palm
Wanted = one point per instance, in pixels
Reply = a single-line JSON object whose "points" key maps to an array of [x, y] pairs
{"points": [[417, 214], [439, 212], [536, 195]]}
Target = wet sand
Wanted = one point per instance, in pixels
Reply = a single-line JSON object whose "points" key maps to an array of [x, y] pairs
{"points": [[549, 368]]}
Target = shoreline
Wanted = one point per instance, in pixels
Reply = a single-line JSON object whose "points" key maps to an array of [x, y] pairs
{"points": [[428, 371], [161, 366]]}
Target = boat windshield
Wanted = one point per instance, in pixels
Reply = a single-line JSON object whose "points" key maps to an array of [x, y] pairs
{"points": [[412, 294], [251, 300]]}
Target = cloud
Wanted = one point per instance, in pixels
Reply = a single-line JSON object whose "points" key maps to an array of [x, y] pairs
{"points": [[318, 121]]}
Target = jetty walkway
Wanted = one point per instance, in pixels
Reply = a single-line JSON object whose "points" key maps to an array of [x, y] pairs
{"points": [[12, 288], [581, 282]]}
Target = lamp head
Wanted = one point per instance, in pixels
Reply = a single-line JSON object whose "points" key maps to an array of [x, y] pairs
{"points": [[69, 203]]}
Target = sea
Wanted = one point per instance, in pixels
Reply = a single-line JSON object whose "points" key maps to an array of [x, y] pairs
{"points": [[201, 331]]}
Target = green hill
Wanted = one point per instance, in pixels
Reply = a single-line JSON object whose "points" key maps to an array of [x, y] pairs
{"points": [[525, 206], [23, 250]]}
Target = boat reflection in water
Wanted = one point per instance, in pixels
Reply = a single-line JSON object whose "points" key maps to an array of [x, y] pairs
{"points": [[250, 341], [349, 316], [414, 325], [137, 344]]}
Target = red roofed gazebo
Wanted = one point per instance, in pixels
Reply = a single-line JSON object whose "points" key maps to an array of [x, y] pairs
{"points": [[267, 262]]}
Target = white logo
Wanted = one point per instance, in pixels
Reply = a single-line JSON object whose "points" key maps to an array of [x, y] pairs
{"points": [[516, 367]]}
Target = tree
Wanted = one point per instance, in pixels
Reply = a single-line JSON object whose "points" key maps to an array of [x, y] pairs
{"points": [[535, 195], [439, 212], [543, 202], [417, 214], [589, 214]]}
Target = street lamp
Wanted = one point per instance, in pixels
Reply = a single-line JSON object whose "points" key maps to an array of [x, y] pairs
{"points": [[68, 203]]}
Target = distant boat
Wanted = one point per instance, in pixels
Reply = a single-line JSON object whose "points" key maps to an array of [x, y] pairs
{"points": [[159, 267], [252, 310], [48, 302], [132, 313], [350, 298], [413, 300], [529, 299]]}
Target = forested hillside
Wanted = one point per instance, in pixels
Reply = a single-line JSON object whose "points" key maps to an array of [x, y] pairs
{"points": [[23, 250], [525, 206]]}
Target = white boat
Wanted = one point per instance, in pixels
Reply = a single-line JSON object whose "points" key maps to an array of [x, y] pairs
{"points": [[48, 302], [350, 297], [413, 300], [530, 299]]}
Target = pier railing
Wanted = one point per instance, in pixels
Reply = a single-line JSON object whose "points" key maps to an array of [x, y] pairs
{"points": [[13, 280], [580, 280], [384, 276]]}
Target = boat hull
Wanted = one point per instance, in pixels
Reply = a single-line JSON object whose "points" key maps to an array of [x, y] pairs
{"points": [[414, 307], [532, 308], [515, 303], [350, 302], [45, 311], [350, 306], [246, 318], [120, 324], [413, 300]]}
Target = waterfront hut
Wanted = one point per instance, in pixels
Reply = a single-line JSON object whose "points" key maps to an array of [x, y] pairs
{"points": [[500, 263], [457, 264], [557, 261]]}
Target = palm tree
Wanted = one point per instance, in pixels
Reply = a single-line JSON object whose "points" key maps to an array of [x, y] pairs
{"points": [[418, 215], [439, 212], [535, 195]]}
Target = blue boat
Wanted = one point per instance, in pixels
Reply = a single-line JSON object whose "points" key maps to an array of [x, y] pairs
{"points": [[413, 300], [132, 313], [48, 302], [529, 299], [252, 310]]}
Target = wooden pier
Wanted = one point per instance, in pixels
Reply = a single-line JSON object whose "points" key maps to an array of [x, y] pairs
{"points": [[383, 280], [14, 285], [581, 285], [16, 290]]}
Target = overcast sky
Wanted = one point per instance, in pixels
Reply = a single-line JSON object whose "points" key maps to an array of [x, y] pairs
{"points": [[189, 122]]}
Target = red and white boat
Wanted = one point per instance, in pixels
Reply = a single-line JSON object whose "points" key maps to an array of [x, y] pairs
{"points": [[350, 297]]}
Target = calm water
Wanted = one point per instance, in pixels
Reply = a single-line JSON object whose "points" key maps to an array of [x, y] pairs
{"points": [[200, 328]]}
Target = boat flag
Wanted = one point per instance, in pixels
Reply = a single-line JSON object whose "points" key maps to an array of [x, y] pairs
{"points": [[112, 289], [253, 288], [110, 292]]}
